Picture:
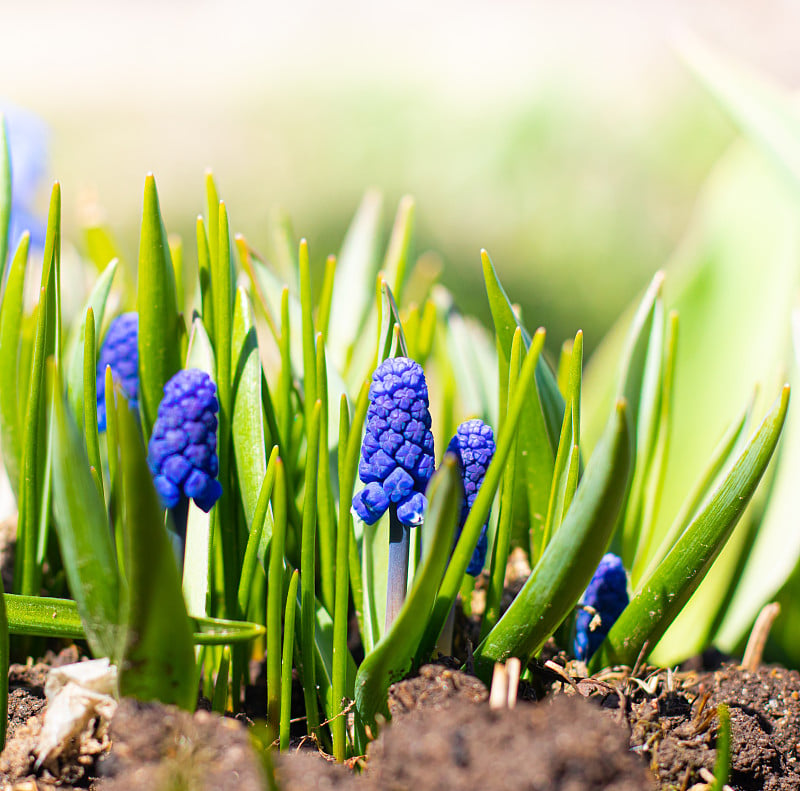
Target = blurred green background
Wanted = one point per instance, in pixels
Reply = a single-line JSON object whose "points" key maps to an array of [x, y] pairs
{"points": [[565, 138]]}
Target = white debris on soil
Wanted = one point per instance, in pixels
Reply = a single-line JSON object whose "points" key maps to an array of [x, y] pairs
{"points": [[77, 696]]}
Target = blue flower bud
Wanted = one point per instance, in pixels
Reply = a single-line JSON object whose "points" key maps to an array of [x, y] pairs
{"points": [[397, 451], [473, 445], [120, 350], [182, 454], [607, 594]]}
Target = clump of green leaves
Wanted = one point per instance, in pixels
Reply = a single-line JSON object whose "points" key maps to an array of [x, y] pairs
{"points": [[280, 562]]}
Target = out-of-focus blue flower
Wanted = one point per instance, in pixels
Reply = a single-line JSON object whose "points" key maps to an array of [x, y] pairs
{"points": [[473, 444], [607, 595], [183, 446], [120, 350], [397, 452], [28, 143]]}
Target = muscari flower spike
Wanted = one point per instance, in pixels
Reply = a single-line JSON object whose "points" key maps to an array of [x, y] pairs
{"points": [[473, 444], [183, 446], [607, 595], [120, 350], [397, 452]]}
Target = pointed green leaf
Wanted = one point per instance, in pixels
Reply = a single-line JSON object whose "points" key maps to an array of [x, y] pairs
{"points": [[41, 616], [74, 351], [84, 533], [11, 325], [541, 421], [34, 502], [159, 323], [249, 441], [391, 659], [483, 502], [662, 595], [561, 575], [156, 657]]}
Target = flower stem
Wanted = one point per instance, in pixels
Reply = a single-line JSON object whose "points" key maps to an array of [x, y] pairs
{"points": [[399, 545]]}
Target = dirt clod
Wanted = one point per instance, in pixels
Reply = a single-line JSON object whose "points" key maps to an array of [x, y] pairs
{"points": [[567, 744], [436, 687]]}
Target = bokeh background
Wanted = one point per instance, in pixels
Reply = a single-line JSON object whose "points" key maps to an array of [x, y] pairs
{"points": [[567, 138]]}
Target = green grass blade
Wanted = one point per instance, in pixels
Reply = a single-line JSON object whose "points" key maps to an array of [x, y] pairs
{"points": [[89, 414], [249, 442], [483, 502], [307, 326], [275, 596], [220, 700], [74, 353], [11, 317], [261, 524], [720, 458], [41, 616], [156, 303], [286, 663], [34, 502], [662, 595], [326, 509], [391, 659], [156, 657], [308, 569], [84, 533], [204, 273], [722, 764], [502, 541], [561, 575], [269, 289], [643, 345], [536, 470], [326, 296], [197, 553], [659, 455], [567, 456], [176, 254], [342, 594]]}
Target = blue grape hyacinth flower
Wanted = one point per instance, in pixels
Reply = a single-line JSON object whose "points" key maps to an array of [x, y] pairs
{"points": [[120, 350], [397, 451], [607, 595], [28, 145], [183, 446], [473, 444]]}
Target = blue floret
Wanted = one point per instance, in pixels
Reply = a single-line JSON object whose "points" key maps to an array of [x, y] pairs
{"points": [[182, 454], [607, 595], [397, 451], [120, 350], [473, 445]]}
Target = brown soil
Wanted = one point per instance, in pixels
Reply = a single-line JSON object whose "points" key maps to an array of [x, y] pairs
{"points": [[615, 731], [161, 747], [436, 687], [565, 744]]}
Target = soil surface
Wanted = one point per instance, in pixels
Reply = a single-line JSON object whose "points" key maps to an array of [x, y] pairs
{"points": [[653, 730], [161, 747], [555, 746]]}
